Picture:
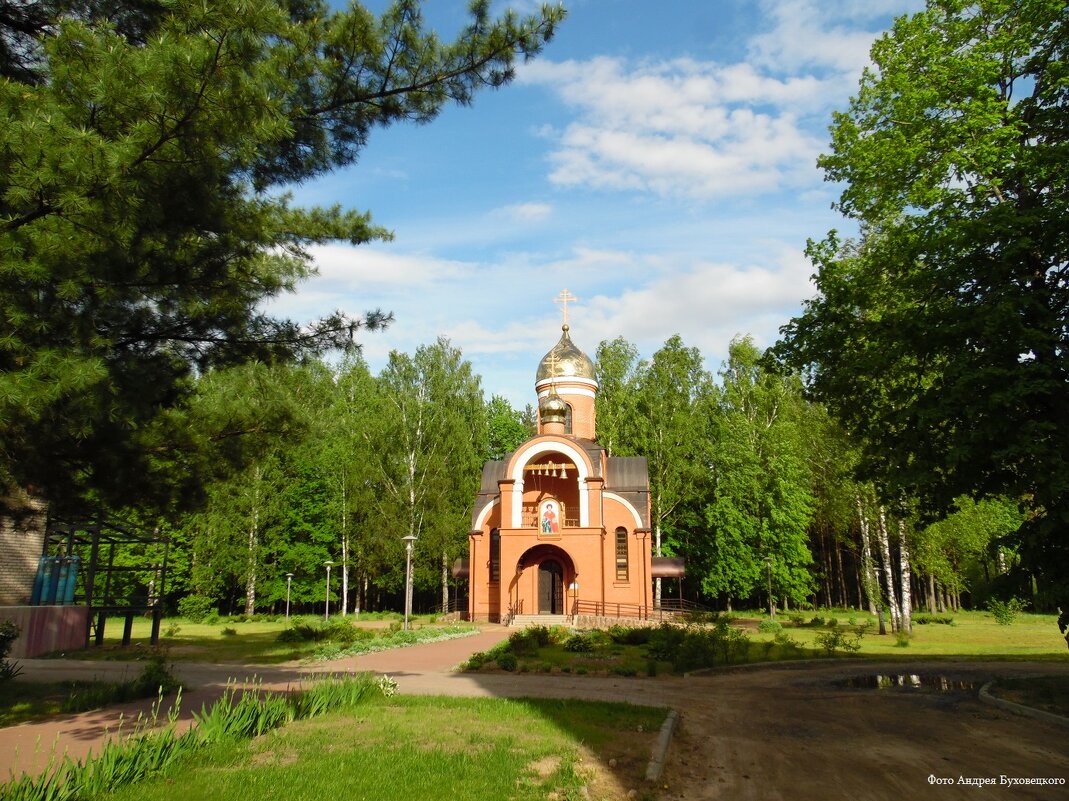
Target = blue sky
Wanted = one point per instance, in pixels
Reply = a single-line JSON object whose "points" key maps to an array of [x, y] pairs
{"points": [[657, 159]]}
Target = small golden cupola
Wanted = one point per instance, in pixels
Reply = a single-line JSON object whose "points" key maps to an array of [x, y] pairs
{"points": [[567, 385]]}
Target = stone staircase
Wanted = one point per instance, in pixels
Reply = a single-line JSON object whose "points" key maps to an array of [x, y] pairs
{"points": [[522, 621]]}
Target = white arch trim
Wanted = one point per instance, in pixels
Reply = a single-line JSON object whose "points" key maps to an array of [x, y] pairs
{"points": [[521, 460], [627, 505], [484, 513]]}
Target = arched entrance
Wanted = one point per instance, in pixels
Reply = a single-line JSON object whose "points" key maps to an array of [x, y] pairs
{"points": [[550, 588], [542, 576]]}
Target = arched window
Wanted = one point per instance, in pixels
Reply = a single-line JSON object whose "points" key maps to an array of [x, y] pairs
{"points": [[621, 554], [495, 555], [568, 418]]}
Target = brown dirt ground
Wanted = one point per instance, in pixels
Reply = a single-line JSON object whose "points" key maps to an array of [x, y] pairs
{"points": [[766, 732]]}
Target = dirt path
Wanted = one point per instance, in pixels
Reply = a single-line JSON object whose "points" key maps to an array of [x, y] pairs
{"points": [[758, 733]]}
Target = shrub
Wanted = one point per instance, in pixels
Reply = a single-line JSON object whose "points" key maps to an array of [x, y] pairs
{"points": [[664, 641], [785, 640], [902, 639], [195, 608], [768, 625], [507, 661], [926, 619], [1005, 612], [817, 621], [527, 641], [625, 670], [708, 647], [836, 639], [629, 635], [9, 632], [475, 661], [157, 677], [579, 644], [229, 632]]}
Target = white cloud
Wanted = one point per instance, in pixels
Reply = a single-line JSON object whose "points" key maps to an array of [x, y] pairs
{"points": [[680, 127], [707, 304], [823, 33], [526, 212], [343, 267]]}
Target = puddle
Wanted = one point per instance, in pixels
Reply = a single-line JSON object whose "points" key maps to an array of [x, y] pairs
{"points": [[908, 681]]}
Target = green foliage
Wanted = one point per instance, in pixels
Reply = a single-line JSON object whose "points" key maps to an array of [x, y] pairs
{"points": [[939, 338], [143, 222], [195, 608], [9, 632], [580, 643], [507, 661], [923, 619], [664, 642], [630, 635], [762, 503], [838, 639], [506, 430], [1005, 612], [767, 626]]}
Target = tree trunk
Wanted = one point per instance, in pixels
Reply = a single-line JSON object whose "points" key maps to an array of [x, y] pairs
{"points": [[344, 552], [445, 583], [905, 579], [888, 570], [868, 569], [844, 602], [254, 541]]}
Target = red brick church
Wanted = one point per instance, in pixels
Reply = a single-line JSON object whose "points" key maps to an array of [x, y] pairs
{"points": [[559, 526]]}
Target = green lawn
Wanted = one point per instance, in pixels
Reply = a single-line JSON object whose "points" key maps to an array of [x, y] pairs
{"points": [[226, 640], [973, 634], [427, 749]]}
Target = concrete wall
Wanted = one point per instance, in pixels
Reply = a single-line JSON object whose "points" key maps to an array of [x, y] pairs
{"points": [[22, 542]]}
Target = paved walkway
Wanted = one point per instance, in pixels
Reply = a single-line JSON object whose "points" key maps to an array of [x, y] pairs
{"points": [[763, 732]]}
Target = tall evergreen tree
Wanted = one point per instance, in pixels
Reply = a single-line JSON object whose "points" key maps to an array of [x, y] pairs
{"points": [[144, 155]]}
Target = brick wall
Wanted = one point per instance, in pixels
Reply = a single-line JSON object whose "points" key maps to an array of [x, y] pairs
{"points": [[22, 541]]}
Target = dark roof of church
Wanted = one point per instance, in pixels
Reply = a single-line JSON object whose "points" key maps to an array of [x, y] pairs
{"points": [[628, 473]]}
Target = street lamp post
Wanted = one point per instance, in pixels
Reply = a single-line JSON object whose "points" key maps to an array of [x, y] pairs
{"points": [[411, 538], [771, 610], [289, 582], [326, 608]]}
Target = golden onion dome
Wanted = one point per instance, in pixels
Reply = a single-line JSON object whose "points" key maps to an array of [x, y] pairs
{"points": [[553, 409], [565, 360]]}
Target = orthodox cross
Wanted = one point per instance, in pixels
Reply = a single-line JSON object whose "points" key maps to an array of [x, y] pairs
{"points": [[564, 298]]}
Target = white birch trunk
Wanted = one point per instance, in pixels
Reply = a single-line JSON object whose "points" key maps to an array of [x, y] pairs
{"points": [[344, 552], [905, 578], [868, 570], [254, 539], [445, 583], [888, 570]]}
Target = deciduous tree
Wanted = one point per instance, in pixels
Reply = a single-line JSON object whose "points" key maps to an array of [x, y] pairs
{"points": [[941, 338]]}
